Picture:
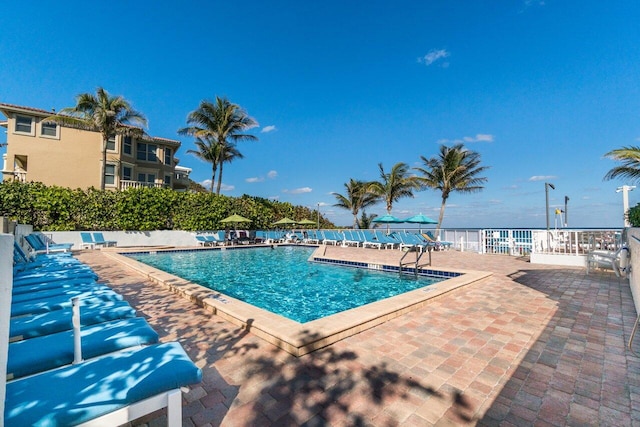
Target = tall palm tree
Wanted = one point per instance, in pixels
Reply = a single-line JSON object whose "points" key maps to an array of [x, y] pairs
{"points": [[356, 197], [630, 168], [454, 169], [395, 185], [206, 150], [222, 123], [109, 115]]}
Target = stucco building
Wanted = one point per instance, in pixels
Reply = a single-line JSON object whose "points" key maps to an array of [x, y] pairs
{"points": [[47, 152]]}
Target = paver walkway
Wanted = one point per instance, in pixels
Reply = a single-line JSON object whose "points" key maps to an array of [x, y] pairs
{"points": [[533, 345]]}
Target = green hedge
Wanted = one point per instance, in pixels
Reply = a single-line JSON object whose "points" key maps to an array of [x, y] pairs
{"points": [[57, 208]]}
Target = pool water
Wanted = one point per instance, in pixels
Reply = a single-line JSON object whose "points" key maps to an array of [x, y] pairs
{"points": [[281, 280]]}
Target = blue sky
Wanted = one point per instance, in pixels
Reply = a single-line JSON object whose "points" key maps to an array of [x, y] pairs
{"points": [[540, 89]]}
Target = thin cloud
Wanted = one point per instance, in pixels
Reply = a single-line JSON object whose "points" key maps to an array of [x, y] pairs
{"points": [[433, 56], [226, 187], [206, 183], [272, 174], [270, 128], [254, 179], [300, 190], [542, 177], [480, 137]]}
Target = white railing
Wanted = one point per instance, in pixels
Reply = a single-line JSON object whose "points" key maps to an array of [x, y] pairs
{"points": [[135, 184], [20, 176]]}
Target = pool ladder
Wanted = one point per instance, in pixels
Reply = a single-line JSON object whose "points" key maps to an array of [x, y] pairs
{"points": [[416, 264]]}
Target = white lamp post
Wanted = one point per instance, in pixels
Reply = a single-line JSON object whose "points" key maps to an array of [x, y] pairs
{"points": [[625, 201], [546, 194]]}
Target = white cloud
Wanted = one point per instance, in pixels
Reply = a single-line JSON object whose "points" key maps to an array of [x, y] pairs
{"points": [[433, 56], [206, 183], [542, 177], [300, 190], [226, 187], [254, 179], [267, 129], [272, 174], [480, 137]]}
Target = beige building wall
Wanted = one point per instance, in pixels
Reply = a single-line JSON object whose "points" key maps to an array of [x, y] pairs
{"points": [[68, 160], [67, 157]]}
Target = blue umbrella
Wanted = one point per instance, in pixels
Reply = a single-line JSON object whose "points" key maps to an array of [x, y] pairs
{"points": [[388, 219], [420, 219]]}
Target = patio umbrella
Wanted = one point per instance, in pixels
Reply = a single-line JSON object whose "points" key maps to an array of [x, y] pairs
{"points": [[306, 222], [284, 221], [235, 218], [388, 219], [420, 219]]}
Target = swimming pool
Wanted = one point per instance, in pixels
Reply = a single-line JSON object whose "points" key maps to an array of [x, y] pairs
{"points": [[282, 281]]}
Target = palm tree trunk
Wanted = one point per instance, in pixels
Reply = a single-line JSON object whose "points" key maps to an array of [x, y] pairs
{"points": [[444, 201], [213, 178], [219, 179]]}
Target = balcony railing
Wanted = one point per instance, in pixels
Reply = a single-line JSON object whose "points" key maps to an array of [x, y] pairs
{"points": [[20, 176], [135, 184]]}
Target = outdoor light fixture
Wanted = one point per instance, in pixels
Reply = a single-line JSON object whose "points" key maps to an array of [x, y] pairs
{"points": [[318, 223], [546, 193], [625, 201]]}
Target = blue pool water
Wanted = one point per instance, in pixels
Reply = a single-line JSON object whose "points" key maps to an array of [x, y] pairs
{"points": [[282, 281]]}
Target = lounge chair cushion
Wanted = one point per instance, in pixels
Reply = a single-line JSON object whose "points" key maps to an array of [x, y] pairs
{"points": [[65, 284], [82, 392], [60, 320], [59, 302], [41, 354], [69, 292]]}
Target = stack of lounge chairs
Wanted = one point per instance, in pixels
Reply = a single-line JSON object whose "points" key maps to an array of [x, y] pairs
{"points": [[78, 353]]}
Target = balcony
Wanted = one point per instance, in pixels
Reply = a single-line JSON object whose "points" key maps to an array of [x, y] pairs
{"points": [[135, 184]]}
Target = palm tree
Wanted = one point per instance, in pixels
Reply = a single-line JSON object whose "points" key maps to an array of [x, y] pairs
{"points": [[109, 115], [366, 220], [222, 124], [206, 150], [395, 185], [357, 197], [630, 158], [454, 169]]}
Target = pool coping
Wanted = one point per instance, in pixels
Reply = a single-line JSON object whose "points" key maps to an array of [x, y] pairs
{"points": [[296, 338]]}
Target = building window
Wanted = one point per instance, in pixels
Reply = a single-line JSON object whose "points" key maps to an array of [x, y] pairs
{"points": [[167, 180], [146, 152], [110, 174], [167, 156], [49, 129], [126, 145], [111, 143], [149, 178], [127, 173], [24, 124]]}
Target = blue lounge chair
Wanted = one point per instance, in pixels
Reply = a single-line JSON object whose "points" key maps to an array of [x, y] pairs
{"points": [[99, 240], [110, 390], [351, 238], [69, 292], [439, 245], [60, 320], [55, 303], [370, 240], [387, 240], [47, 352], [42, 286], [87, 241], [44, 246], [331, 237]]}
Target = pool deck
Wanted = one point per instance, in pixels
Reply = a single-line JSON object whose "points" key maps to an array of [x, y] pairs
{"points": [[530, 345]]}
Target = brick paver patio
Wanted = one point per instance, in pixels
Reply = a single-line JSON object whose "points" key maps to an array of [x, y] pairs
{"points": [[533, 345]]}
